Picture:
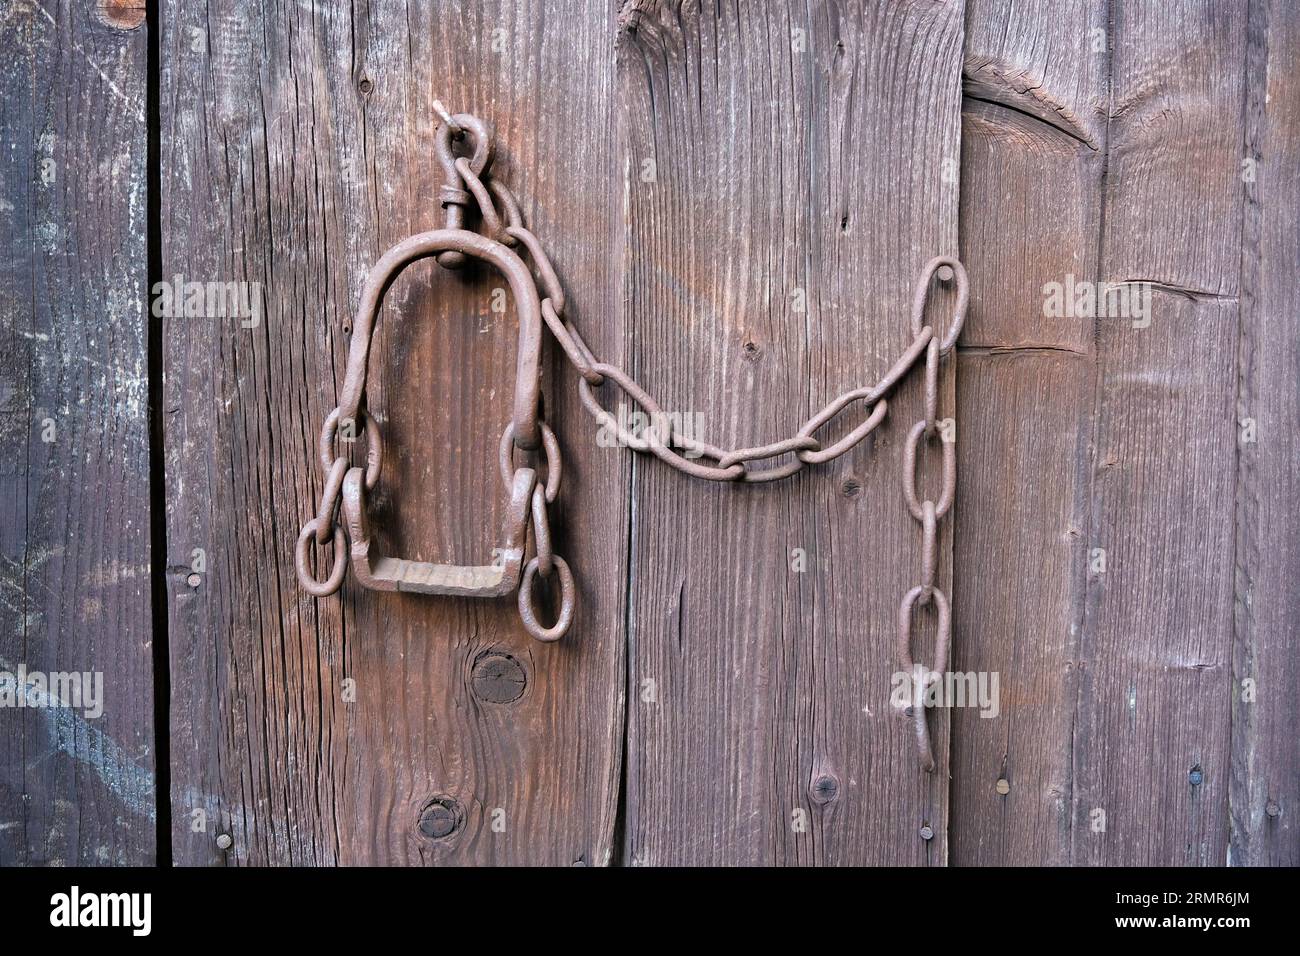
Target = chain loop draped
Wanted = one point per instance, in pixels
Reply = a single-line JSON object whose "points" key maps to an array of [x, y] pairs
{"points": [[469, 187]]}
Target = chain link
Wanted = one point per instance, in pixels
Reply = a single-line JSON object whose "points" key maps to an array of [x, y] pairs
{"points": [[469, 185]]}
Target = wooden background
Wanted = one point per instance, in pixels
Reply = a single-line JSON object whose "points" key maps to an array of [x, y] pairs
{"points": [[711, 705]]}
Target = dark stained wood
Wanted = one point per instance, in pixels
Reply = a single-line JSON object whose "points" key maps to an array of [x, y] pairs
{"points": [[297, 146], [75, 789], [793, 150], [1033, 147], [1264, 789], [1152, 728]]}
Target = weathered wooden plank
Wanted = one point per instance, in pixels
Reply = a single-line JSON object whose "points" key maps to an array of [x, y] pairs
{"points": [[76, 781], [1152, 730], [1264, 789], [299, 143], [1033, 146], [779, 157], [1023, 467]]}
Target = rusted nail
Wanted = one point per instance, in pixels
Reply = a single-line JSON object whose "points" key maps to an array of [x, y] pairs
{"points": [[440, 818], [224, 841], [1003, 786], [194, 580], [498, 678], [365, 86], [1196, 777], [927, 832], [1272, 809], [445, 116], [944, 273]]}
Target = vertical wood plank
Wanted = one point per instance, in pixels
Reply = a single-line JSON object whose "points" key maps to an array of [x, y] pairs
{"points": [[1152, 730], [779, 156], [1264, 790], [299, 141], [76, 787], [1033, 150]]}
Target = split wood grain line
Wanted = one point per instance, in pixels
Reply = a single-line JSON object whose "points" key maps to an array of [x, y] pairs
{"points": [[773, 157], [75, 788], [1264, 788], [1033, 153], [298, 145]]}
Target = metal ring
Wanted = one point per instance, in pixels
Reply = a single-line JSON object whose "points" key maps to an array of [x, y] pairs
{"points": [[922, 296], [529, 616], [374, 444], [659, 448], [931, 385], [454, 212], [506, 455], [513, 217], [487, 211], [551, 288], [542, 533], [929, 549], [848, 441], [329, 501], [941, 636], [300, 560], [909, 474]]}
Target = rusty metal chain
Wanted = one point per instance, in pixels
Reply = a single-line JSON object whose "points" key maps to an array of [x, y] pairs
{"points": [[468, 187]]}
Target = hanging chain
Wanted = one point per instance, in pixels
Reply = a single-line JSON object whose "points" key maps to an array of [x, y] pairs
{"points": [[468, 186]]}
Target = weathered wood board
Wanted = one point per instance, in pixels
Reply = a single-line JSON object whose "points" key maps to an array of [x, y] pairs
{"points": [[1106, 143], [375, 728], [1264, 787], [1034, 133], [786, 184], [76, 757], [738, 199]]}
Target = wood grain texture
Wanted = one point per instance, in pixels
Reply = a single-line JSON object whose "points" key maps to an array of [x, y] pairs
{"points": [[298, 143], [1151, 735], [1264, 788], [791, 149], [1033, 151], [75, 788]]}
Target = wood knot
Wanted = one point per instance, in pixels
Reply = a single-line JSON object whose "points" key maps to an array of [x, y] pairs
{"points": [[121, 14], [498, 678], [752, 351], [851, 488], [440, 818], [825, 789]]}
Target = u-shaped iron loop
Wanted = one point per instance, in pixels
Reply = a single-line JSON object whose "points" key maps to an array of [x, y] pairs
{"points": [[922, 296], [421, 246]]}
